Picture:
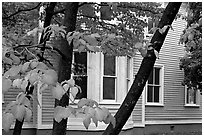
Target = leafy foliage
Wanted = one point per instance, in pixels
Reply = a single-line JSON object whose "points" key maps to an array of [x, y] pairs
{"points": [[191, 63]]}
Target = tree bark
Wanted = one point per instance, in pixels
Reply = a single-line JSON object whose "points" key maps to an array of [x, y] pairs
{"points": [[145, 69], [64, 71], [48, 18]]}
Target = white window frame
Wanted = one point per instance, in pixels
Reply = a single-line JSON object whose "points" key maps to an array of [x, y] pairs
{"points": [[197, 104], [161, 91], [116, 81]]}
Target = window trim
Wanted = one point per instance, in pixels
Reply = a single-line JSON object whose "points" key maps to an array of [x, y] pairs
{"points": [[105, 101], [197, 99], [161, 93]]}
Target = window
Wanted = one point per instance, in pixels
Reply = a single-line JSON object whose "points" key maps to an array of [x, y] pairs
{"points": [[192, 96], [154, 89], [80, 73], [109, 78]]}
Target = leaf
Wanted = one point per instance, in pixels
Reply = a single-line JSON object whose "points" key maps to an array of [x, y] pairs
{"points": [[24, 84], [7, 60], [42, 65], [20, 98], [90, 48], [74, 91], [7, 120], [91, 40], [156, 53], [27, 103], [96, 35], [33, 77], [15, 59], [19, 112], [49, 77], [25, 67], [9, 106], [62, 113], [58, 91], [28, 114], [13, 71], [99, 114], [6, 84], [138, 45], [34, 64], [71, 82], [33, 32], [95, 120], [82, 102], [87, 121], [112, 120], [83, 42], [81, 48], [17, 83]]}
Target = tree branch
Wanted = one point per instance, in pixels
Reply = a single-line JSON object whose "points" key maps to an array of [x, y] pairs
{"points": [[21, 10]]}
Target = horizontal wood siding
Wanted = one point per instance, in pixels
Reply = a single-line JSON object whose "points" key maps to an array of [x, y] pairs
{"points": [[174, 93], [137, 112], [47, 107]]}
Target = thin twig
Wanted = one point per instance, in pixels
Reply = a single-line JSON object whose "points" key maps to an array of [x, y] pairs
{"points": [[21, 10]]}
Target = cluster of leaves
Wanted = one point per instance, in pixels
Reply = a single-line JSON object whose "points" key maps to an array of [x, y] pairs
{"points": [[88, 109], [191, 62]]}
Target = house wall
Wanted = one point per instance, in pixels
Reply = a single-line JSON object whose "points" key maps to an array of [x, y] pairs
{"points": [[173, 109]]}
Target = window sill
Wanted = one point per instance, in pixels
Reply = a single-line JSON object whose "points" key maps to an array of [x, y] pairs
{"points": [[154, 105], [191, 105]]}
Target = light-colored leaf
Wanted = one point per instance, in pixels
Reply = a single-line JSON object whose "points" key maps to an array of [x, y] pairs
{"points": [[7, 60], [15, 59], [24, 84], [20, 98], [34, 64], [82, 102], [17, 83], [42, 65], [28, 114], [19, 112], [6, 84], [58, 91], [13, 71], [49, 77], [74, 91], [96, 35], [25, 67], [81, 48], [91, 40], [83, 42], [7, 120], [87, 121], [9, 106], [99, 114], [61, 113], [71, 82]]}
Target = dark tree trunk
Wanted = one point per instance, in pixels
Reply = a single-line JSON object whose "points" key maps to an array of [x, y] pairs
{"points": [[48, 18], [145, 69], [64, 71]]}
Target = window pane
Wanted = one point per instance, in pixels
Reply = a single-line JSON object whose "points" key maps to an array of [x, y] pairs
{"points": [[109, 65], [150, 80], [149, 94], [156, 94], [80, 60], [108, 88], [128, 67], [82, 82], [157, 75], [191, 96]]}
